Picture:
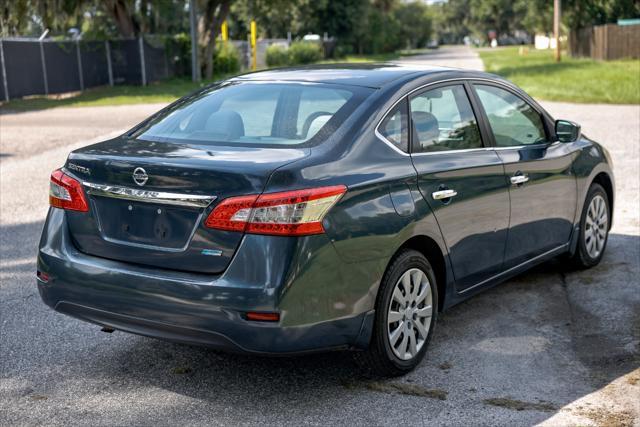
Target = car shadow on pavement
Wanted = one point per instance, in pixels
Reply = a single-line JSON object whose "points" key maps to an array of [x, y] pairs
{"points": [[536, 343], [523, 350]]}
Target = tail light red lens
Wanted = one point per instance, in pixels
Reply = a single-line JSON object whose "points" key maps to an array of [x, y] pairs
{"points": [[66, 193], [263, 317], [288, 213]]}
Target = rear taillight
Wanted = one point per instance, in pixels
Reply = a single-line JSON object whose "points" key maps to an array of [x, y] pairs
{"points": [[262, 317], [66, 193], [289, 213]]}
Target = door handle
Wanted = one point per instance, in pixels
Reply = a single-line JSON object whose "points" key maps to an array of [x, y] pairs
{"points": [[444, 194], [519, 179]]}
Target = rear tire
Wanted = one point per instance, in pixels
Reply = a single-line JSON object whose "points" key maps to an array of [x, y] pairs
{"points": [[406, 313], [594, 228]]}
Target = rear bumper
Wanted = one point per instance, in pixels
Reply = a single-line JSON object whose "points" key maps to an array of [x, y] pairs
{"points": [[201, 309], [227, 336]]}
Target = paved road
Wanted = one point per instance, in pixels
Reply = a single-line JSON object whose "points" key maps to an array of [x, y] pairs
{"points": [[552, 346], [454, 56], [23, 134]]}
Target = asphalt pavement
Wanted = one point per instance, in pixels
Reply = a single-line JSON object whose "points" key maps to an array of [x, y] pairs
{"points": [[551, 347]]}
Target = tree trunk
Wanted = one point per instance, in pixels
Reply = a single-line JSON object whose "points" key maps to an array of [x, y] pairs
{"points": [[215, 12], [208, 54], [122, 17]]}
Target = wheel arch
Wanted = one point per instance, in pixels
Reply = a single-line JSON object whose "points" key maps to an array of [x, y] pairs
{"points": [[605, 181], [431, 250]]}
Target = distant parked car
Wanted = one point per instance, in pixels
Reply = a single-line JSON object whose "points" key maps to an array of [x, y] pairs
{"points": [[312, 38], [433, 44], [328, 207]]}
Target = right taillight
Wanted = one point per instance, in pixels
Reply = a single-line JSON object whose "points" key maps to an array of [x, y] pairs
{"points": [[288, 213], [66, 193]]}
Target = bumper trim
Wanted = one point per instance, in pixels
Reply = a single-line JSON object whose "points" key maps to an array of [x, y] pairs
{"points": [[148, 328], [173, 333]]}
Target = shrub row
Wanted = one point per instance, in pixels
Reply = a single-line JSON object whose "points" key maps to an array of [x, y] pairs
{"points": [[226, 59], [298, 53]]}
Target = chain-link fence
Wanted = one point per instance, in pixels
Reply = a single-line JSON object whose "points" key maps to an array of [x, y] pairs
{"points": [[34, 67]]}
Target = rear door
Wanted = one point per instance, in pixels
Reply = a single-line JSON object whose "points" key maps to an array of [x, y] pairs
{"points": [[462, 180], [541, 183]]}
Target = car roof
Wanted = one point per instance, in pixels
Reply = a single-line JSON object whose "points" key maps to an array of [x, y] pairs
{"points": [[374, 75]]}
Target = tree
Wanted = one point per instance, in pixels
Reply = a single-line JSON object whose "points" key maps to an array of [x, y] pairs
{"points": [[14, 19], [213, 14], [451, 20], [122, 12], [501, 16], [582, 13], [416, 24], [274, 18], [538, 16]]}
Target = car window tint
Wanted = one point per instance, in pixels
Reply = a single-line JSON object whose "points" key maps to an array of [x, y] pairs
{"points": [[512, 120], [442, 119], [272, 114], [256, 108], [317, 106], [395, 127]]}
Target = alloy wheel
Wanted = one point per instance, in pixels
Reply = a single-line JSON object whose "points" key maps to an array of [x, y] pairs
{"points": [[409, 314], [596, 226]]}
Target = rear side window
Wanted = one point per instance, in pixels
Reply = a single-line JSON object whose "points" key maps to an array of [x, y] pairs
{"points": [[395, 127], [251, 113], [512, 120], [442, 120]]}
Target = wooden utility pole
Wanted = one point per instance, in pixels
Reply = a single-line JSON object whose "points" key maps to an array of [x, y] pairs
{"points": [[556, 27]]}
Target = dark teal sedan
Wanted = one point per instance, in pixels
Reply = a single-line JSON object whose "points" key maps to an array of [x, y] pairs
{"points": [[330, 207]]}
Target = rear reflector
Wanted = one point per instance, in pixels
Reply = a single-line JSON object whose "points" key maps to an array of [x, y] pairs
{"points": [[43, 277], [288, 213], [66, 193], [263, 317]]}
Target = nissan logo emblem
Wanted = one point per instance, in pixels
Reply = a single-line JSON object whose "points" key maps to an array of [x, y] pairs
{"points": [[140, 176]]}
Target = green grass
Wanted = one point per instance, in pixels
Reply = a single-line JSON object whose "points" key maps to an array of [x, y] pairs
{"points": [[571, 80]]}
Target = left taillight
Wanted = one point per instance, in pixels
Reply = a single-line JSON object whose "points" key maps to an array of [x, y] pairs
{"points": [[288, 213], [66, 192]]}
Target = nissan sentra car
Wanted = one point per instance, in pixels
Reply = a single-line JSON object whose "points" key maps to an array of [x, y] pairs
{"points": [[321, 208]]}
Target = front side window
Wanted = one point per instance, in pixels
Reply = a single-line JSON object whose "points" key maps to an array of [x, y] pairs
{"points": [[512, 120], [395, 127], [442, 120], [264, 114]]}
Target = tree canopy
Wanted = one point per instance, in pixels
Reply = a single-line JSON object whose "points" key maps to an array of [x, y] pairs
{"points": [[455, 19], [363, 26]]}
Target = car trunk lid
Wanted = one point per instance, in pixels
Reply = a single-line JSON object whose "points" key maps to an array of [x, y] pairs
{"points": [[148, 200]]}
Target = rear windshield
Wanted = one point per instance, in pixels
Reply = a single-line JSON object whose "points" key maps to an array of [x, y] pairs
{"points": [[253, 113]]}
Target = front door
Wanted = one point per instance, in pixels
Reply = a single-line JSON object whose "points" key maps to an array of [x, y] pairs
{"points": [[542, 185], [462, 180]]}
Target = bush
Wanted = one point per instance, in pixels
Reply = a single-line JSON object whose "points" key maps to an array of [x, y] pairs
{"points": [[305, 53], [277, 56], [178, 48], [343, 50], [226, 59]]}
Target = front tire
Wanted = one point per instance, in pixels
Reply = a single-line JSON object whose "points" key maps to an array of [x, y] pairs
{"points": [[594, 228], [406, 313]]}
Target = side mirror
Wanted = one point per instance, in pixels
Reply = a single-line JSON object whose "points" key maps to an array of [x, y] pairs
{"points": [[567, 131]]}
